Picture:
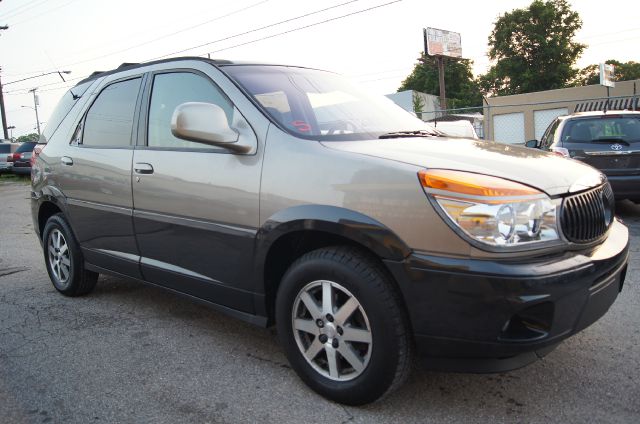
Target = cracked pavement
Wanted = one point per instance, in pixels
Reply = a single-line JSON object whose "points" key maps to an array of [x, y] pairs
{"points": [[133, 353]]}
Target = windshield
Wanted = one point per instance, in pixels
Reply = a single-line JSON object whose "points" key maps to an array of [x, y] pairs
{"points": [[322, 105], [613, 128]]}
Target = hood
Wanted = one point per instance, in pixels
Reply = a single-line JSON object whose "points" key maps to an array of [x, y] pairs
{"points": [[545, 171]]}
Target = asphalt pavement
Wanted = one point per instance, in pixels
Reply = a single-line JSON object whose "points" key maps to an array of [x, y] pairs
{"points": [[131, 353]]}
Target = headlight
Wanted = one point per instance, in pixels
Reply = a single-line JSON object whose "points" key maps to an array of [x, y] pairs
{"points": [[492, 210]]}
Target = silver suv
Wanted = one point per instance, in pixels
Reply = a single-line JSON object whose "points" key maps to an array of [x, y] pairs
{"points": [[285, 196]]}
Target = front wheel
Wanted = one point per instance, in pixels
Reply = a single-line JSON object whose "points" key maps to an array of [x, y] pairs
{"points": [[63, 259], [342, 325]]}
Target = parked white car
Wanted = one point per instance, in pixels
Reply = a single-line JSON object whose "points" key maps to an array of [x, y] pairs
{"points": [[461, 128]]}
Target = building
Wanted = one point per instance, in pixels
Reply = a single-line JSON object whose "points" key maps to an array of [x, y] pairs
{"points": [[522, 117], [404, 99]]}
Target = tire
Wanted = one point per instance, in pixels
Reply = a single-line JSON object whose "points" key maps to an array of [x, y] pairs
{"points": [[372, 345], [63, 259]]}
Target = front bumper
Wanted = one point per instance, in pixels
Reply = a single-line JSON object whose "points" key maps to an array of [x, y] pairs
{"points": [[625, 186], [495, 315]]}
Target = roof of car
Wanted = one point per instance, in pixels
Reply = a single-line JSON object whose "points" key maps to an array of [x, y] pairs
{"points": [[214, 62], [600, 113]]}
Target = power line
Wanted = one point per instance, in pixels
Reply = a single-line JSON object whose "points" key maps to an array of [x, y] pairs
{"points": [[307, 26], [608, 33], [44, 13], [167, 35], [255, 30], [248, 42], [25, 6]]}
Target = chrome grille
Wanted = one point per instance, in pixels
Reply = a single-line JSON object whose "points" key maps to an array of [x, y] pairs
{"points": [[587, 216]]}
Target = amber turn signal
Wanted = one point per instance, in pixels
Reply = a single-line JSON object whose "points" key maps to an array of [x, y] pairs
{"points": [[467, 185]]}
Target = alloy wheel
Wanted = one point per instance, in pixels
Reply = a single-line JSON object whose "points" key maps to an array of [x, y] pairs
{"points": [[332, 330], [59, 257]]}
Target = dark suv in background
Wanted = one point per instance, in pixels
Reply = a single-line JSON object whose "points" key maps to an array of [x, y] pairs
{"points": [[21, 158], [608, 141]]}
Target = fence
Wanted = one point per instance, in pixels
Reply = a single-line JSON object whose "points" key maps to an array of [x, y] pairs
{"points": [[515, 123]]}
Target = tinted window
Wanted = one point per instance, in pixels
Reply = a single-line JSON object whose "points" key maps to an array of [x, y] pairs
{"points": [[5, 148], [548, 137], [110, 120], [603, 129], [63, 108], [171, 90], [27, 146]]}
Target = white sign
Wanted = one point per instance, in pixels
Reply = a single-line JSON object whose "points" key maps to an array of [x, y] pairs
{"points": [[607, 75], [442, 43]]}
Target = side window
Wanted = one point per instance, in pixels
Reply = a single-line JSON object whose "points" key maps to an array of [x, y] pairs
{"points": [[171, 90], [110, 119], [548, 137]]}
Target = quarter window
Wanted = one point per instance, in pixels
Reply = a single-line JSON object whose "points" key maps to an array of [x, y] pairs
{"points": [[109, 122], [171, 90]]}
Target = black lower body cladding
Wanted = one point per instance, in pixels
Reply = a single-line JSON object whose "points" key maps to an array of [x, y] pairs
{"points": [[625, 186], [488, 316]]}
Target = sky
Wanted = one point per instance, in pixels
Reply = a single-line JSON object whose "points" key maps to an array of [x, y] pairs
{"points": [[374, 42]]}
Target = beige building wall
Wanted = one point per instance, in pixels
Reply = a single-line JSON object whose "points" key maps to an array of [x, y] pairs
{"points": [[551, 99]]}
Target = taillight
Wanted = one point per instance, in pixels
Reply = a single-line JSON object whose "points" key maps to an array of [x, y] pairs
{"points": [[35, 154], [561, 151], [13, 157]]}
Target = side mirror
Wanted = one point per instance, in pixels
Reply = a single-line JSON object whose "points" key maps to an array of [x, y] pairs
{"points": [[533, 144], [205, 123]]}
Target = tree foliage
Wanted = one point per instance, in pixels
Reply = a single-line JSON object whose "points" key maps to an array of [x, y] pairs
{"points": [[534, 49], [28, 137], [417, 102], [624, 71], [461, 88]]}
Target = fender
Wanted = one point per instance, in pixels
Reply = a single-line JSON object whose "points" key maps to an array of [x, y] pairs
{"points": [[347, 223], [48, 194]]}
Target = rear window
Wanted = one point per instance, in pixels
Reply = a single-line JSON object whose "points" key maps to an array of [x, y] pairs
{"points": [[26, 147], [603, 129], [5, 148], [62, 109]]}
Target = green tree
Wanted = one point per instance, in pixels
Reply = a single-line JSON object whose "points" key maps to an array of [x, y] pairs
{"points": [[28, 137], [418, 103], [533, 49], [461, 88], [624, 71]]}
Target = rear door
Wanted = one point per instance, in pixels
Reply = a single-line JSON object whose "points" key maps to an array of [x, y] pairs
{"points": [[95, 175], [610, 143], [195, 205]]}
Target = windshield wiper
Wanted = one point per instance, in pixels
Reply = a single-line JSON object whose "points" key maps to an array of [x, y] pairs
{"points": [[415, 133]]}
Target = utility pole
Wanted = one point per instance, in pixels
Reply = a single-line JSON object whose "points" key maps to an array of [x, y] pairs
{"points": [[4, 117], [439, 43], [2, 112], [35, 104], [443, 96]]}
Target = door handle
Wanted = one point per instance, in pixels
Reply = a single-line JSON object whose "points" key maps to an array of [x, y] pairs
{"points": [[143, 168], [66, 160]]}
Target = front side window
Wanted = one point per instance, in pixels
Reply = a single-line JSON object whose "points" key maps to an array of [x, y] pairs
{"points": [[171, 90], [109, 122], [607, 128], [548, 137], [321, 105]]}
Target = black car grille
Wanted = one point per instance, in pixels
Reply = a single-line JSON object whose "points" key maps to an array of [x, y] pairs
{"points": [[587, 216]]}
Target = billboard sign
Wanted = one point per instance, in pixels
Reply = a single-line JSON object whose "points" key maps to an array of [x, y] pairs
{"points": [[607, 75], [439, 42]]}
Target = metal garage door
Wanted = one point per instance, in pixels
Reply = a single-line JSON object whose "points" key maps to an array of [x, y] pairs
{"points": [[509, 128], [542, 119]]}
